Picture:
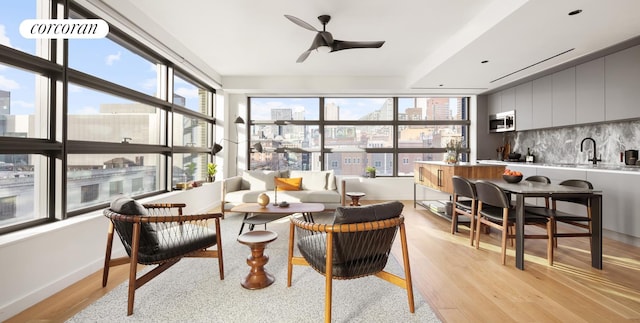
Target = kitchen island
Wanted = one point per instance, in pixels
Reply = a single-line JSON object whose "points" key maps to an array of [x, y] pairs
{"points": [[437, 176]]}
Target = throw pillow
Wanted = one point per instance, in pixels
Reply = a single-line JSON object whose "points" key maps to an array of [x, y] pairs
{"points": [[125, 205], [288, 184], [367, 213]]}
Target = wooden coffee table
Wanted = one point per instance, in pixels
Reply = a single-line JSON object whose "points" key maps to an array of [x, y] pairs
{"points": [[255, 214]]}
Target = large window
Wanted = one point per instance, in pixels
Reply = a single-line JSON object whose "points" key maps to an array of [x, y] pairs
{"points": [[118, 118], [389, 134]]}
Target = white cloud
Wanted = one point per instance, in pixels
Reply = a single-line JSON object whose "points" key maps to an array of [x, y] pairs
{"points": [[187, 93], [4, 39], [112, 58], [7, 84]]}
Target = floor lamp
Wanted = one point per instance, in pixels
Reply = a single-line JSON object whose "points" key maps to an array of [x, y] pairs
{"points": [[217, 147]]}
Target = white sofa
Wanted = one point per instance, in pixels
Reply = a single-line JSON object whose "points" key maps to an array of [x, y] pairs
{"points": [[316, 187]]}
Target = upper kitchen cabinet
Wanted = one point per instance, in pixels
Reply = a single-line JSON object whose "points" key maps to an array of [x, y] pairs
{"points": [[524, 111], [542, 102], [508, 100], [622, 84], [493, 103], [564, 97], [590, 91]]}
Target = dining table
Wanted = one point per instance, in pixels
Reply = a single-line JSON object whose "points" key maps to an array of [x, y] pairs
{"points": [[527, 189]]}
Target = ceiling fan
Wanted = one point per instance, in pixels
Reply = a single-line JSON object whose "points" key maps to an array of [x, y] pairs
{"points": [[324, 38]]}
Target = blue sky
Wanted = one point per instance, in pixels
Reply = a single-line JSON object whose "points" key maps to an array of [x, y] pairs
{"points": [[99, 57]]}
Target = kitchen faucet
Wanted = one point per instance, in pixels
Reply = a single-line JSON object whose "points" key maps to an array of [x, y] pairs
{"points": [[595, 160]]}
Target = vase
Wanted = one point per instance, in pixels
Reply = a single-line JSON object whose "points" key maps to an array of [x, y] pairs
{"points": [[452, 157], [263, 199]]}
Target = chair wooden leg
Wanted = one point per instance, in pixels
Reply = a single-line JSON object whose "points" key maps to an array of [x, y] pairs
{"points": [[133, 267], [550, 242], [505, 230], [407, 269], [472, 228], [219, 249], [503, 243], [290, 260], [478, 227], [328, 279], [107, 256], [454, 221]]}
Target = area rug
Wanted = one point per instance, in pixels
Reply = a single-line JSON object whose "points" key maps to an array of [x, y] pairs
{"points": [[191, 291]]}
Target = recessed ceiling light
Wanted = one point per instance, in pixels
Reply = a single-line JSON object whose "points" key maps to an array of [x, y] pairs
{"points": [[575, 12], [485, 61]]}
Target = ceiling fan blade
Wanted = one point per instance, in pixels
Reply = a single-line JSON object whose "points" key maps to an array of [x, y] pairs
{"points": [[342, 44], [301, 23], [304, 56]]}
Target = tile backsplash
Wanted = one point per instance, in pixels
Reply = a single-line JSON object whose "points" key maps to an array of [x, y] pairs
{"points": [[562, 145]]}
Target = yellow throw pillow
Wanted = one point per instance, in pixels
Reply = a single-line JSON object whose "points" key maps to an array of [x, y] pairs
{"points": [[288, 184]]}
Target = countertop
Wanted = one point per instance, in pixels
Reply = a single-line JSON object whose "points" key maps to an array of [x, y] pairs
{"points": [[460, 164], [601, 167]]}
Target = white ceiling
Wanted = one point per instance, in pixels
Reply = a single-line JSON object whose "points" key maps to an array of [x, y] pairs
{"points": [[432, 46]]}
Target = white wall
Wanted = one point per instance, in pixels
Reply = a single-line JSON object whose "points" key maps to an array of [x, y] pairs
{"points": [[39, 262]]}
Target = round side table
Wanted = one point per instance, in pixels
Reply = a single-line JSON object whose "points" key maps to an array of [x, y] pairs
{"points": [[257, 241], [355, 197]]}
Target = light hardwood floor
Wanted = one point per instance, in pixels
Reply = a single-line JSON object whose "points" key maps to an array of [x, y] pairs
{"points": [[463, 284]]}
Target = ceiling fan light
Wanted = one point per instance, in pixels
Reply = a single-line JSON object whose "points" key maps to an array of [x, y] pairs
{"points": [[324, 49]]}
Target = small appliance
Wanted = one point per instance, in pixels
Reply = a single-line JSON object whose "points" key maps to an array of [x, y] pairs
{"points": [[502, 122], [630, 157]]}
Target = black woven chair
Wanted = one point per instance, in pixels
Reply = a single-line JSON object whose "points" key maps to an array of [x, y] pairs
{"points": [[356, 245], [502, 215], [465, 202], [158, 234]]}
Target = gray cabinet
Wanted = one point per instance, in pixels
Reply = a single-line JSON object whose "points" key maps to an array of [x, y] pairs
{"points": [[524, 111], [620, 203], [493, 103], [622, 84], [542, 102], [508, 100], [564, 97], [590, 91]]}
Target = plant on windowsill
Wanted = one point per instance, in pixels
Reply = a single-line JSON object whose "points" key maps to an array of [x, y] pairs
{"points": [[371, 171], [454, 148], [211, 172]]}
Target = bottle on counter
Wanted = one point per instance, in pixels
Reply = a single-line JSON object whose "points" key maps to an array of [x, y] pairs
{"points": [[529, 158]]}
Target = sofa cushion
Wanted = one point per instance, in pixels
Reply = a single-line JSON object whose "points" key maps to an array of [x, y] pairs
{"points": [[312, 180], [367, 213], [260, 179], [288, 184], [325, 197]]}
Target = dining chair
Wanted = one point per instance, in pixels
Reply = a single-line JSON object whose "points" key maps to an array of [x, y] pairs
{"points": [[540, 179], [502, 215], [579, 220], [465, 202]]}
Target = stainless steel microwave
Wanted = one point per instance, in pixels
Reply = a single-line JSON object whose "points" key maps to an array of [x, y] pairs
{"points": [[502, 122]]}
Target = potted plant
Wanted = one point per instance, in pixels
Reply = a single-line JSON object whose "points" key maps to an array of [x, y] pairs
{"points": [[211, 171], [371, 171], [454, 148]]}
